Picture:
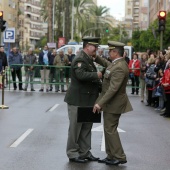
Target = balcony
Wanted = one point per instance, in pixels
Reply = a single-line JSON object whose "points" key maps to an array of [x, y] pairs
{"points": [[35, 36], [37, 28], [35, 20], [32, 11], [37, 4]]}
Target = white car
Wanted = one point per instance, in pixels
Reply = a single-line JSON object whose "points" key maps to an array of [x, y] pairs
{"points": [[76, 48]]}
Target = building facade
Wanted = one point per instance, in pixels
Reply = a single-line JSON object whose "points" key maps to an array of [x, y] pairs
{"points": [[30, 23], [136, 15], [156, 6], [10, 13]]}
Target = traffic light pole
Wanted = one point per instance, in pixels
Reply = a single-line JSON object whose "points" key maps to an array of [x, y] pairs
{"points": [[0, 37], [161, 41]]}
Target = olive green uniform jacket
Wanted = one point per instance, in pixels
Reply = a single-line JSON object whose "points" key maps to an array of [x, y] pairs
{"points": [[84, 87], [113, 98]]}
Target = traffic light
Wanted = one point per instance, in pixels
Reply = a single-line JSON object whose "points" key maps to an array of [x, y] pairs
{"points": [[2, 22], [1, 16], [107, 30], [162, 20]]}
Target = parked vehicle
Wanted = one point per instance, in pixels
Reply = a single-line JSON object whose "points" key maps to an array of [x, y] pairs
{"points": [[75, 48]]}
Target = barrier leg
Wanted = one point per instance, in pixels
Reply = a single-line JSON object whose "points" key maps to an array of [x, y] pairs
{"points": [[3, 106]]}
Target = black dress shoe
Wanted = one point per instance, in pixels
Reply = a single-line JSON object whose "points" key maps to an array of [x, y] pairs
{"points": [[103, 160], [115, 162], [25, 89], [41, 90], [91, 158], [32, 90], [21, 89], [51, 90], [77, 160], [147, 104], [162, 114], [63, 90], [166, 115], [132, 93]]}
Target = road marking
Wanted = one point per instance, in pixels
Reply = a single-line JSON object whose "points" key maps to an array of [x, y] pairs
{"points": [[21, 138], [54, 107], [100, 129]]}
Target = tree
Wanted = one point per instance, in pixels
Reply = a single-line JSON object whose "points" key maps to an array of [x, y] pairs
{"points": [[50, 23], [97, 13], [82, 16]]}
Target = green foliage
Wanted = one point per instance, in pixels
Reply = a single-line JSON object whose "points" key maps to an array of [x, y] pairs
{"points": [[142, 40], [42, 42]]}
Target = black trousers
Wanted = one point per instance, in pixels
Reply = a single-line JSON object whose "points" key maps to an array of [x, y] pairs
{"points": [[17, 73], [167, 104], [135, 84]]}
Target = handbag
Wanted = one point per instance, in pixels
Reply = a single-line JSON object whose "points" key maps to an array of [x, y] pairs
{"points": [[149, 82], [159, 91], [131, 75]]}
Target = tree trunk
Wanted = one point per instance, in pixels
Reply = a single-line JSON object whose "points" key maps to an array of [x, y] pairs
{"points": [[59, 18], [50, 23], [67, 20]]}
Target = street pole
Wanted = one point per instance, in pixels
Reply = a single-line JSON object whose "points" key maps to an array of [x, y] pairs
{"points": [[0, 37], [161, 41], [72, 29]]}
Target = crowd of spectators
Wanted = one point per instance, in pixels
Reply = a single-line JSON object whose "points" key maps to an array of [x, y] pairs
{"points": [[153, 69], [149, 72], [53, 68]]}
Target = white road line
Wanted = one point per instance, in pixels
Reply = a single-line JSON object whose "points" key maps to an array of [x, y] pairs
{"points": [[54, 107], [21, 138], [103, 143], [100, 129]]}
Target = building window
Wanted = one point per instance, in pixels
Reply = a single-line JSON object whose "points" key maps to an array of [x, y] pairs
{"points": [[129, 11]]}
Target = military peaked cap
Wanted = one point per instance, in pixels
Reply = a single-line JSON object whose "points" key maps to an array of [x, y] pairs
{"points": [[91, 40], [115, 44]]}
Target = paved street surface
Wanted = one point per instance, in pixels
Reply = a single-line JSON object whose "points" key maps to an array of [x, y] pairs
{"points": [[33, 135]]}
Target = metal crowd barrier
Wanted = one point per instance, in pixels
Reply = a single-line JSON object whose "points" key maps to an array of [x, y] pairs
{"points": [[37, 77]]}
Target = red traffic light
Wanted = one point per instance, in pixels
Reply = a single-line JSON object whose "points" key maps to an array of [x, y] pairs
{"points": [[162, 14]]}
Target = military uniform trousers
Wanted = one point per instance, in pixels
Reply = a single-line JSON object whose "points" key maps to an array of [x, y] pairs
{"points": [[113, 144], [79, 136]]}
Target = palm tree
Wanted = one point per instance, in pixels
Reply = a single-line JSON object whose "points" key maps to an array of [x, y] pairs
{"points": [[98, 13], [47, 13], [67, 20], [81, 15], [50, 23]]}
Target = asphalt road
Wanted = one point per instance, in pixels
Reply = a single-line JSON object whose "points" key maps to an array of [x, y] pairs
{"points": [[33, 135]]}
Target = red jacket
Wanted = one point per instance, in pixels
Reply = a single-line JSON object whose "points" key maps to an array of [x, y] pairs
{"points": [[136, 66], [166, 78]]}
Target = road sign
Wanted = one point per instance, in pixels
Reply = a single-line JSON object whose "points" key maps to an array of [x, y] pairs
{"points": [[51, 45], [9, 35]]}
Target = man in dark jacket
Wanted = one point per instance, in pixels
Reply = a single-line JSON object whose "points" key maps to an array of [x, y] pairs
{"points": [[44, 59], [83, 91], [3, 59], [15, 62]]}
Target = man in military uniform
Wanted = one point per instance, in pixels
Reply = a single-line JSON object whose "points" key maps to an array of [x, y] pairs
{"points": [[83, 91], [114, 101]]}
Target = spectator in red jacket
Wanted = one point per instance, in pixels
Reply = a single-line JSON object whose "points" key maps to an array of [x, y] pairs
{"points": [[134, 69], [166, 84]]}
